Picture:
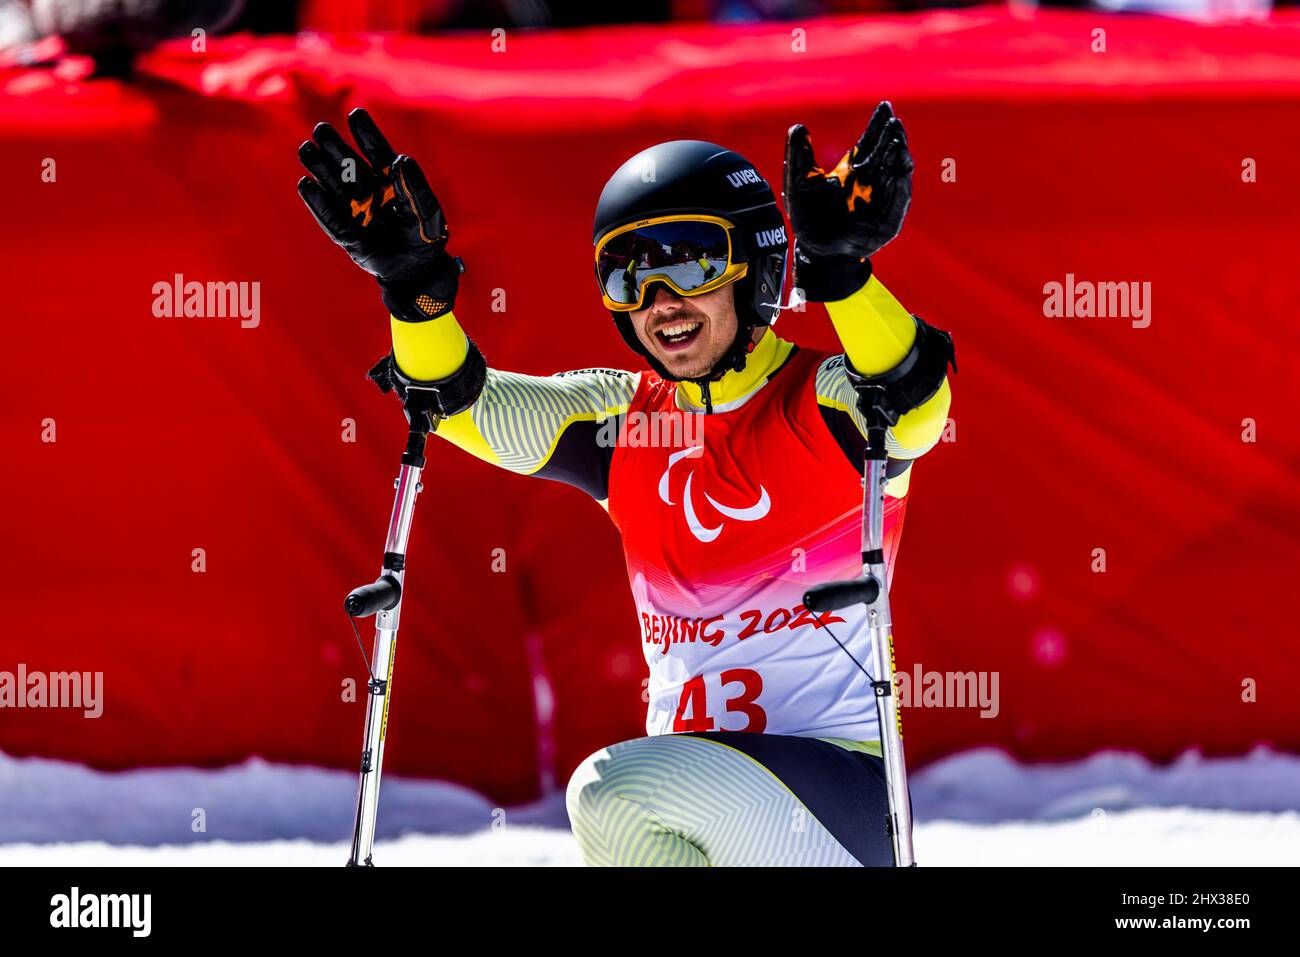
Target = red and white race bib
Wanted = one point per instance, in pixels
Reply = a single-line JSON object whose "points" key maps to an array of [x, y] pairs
{"points": [[723, 534]]}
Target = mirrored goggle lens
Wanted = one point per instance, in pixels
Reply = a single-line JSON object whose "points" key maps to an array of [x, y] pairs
{"points": [[689, 253]]}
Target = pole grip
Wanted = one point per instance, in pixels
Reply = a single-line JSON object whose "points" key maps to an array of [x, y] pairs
{"points": [[378, 596], [832, 596]]}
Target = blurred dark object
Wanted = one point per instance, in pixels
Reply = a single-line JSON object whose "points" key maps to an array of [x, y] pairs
{"points": [[112, 32], [755, 11], [265, 17], [549, 13], [425, 16]]}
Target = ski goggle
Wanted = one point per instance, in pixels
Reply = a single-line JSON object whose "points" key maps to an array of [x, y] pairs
{"points": [[689, 254]]}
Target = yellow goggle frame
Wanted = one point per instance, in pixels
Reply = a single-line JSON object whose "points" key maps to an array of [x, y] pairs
{"points": [[733, 271]]}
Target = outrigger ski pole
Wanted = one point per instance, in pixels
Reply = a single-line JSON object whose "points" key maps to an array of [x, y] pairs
{"points": [[872, 590], [383, 598]]}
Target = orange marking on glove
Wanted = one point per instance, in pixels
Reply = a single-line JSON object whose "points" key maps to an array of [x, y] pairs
{"points": [[361, 208], [410, 201], [843, 169], [859, 192]]}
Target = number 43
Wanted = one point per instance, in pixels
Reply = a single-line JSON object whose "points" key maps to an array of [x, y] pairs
{"points": [[694, 698]]}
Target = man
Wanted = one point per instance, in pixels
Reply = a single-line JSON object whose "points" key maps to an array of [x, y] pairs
{"points": [[762, 746]]}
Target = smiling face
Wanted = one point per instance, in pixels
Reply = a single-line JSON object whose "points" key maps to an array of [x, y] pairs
{"points": [[687, 335]]}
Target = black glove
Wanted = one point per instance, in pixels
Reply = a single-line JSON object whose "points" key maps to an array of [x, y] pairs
{"points": [[843, 217], [381, 210]]}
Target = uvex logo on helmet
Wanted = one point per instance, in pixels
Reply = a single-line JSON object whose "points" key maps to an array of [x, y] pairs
{"points": [[744, 177], [767, 238]]}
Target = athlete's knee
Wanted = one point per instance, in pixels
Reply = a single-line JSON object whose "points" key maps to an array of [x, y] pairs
{"points": [[590, 789], [608, 801], [603, 810]]}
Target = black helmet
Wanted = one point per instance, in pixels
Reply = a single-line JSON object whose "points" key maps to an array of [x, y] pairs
{"points": [[691, 176]]}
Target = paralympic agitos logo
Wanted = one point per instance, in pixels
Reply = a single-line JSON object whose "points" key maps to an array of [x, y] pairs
{"points": [[703, 533]]}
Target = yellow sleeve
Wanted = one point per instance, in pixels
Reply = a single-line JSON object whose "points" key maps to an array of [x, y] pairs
{"points": [[876, 331], [429, 350], [434, 350], [877, 334]]}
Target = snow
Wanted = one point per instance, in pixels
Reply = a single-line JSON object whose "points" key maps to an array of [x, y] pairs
{"points": [[978, 807]]}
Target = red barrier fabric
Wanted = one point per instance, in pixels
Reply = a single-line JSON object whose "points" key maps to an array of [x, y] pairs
{"points": [[1170, 158]]}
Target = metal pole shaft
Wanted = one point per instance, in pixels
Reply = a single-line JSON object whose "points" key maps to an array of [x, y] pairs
{"points": [[379, 687], [882, 642]]}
